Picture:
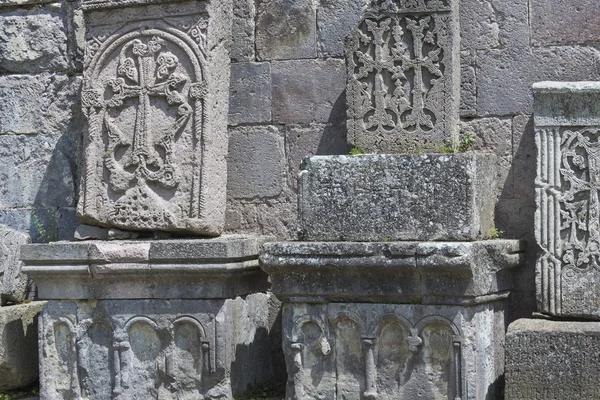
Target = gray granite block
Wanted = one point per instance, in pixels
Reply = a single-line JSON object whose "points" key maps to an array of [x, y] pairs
{"points": [[552, 360], [397, 197]]}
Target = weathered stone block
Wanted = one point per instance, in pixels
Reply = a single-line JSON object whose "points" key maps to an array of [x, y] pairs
{"points": [[37, 170], [243, 30], [13, 286], [42, 224], [148, 349], [32, 41], [219, 268], [392, 272], [42, 103], [256, 162], [306, 91], [552, 360], [250, 93], [335, 21], [400, 197], [504, 77], [468, 84], [565, 22], [156, 96], [384, 351], [403, 86], [286, 29], [567, 125], [488, 24], [18, 345], [307, 141], [493, 134]]}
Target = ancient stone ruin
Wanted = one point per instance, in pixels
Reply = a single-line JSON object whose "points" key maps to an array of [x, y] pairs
{"points": [[307, 199]]}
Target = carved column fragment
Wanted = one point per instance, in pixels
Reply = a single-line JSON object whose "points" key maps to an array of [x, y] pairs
{"points": [[567, 223]]}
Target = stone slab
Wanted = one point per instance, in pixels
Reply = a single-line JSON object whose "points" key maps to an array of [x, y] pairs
{"points": [[13, 286], [154, 349], [156, 86], [567, 205], [33, 41], [397, 197], [18, 345], [564, 22], [384, 351], [145, 269], [403, 66], [250, 94], [552, 360], [392, 272]]}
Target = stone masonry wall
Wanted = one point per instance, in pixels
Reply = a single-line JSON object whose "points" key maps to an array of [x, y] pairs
{"points": [[287, 102]]}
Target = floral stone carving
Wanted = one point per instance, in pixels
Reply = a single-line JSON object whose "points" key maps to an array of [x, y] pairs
{"points": [[403, 86], [568, 203], [156, 106]]}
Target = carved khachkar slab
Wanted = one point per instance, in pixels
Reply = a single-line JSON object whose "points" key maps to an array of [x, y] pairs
{"points": [[156, 99], [567, 122], [387, 351], [403, 82]]}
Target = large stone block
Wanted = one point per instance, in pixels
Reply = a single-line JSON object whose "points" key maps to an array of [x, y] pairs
{"points": [[286, 29], [156, 97], [336, 19], [306, 91], [37, 170], [18, 345], [403, 86], [13, 286], [565, 22], [392, 272], [33, 41], [42, 224], [243, 30], [250, 93], [256, 162], [135, 269], [489, 24], [398, 197], [552, 360], [567, 131], [384, 351], [504, 77], [154, 349], [41, 103]]}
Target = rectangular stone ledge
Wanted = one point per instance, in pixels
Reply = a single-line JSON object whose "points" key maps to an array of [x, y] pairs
{"points": [[566, 103], [187, 269], [396, 272], [443, 197]]}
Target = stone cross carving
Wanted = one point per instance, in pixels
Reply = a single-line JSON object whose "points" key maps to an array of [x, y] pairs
{"points": [[156, 141], [402, 93]]}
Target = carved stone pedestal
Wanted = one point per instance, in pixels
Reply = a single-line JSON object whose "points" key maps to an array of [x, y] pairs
{"points": [[393, 320], [150, 319]]}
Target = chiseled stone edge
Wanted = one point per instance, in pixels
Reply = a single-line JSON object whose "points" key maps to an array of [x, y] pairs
{"points": [[205, 268], [482, 268], [566, 104]]}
